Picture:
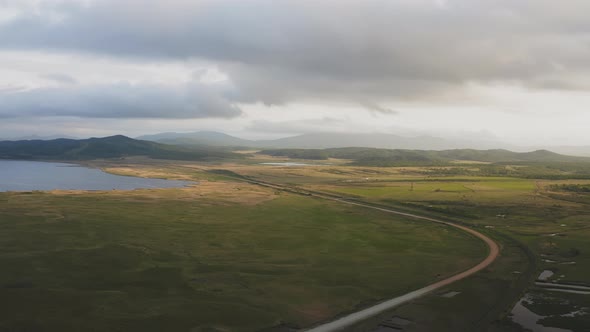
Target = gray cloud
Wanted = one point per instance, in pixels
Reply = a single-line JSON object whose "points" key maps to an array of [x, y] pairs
{"points": [[283, 51], [376, 108], [122, 100], [11, 89], [60, 78]]}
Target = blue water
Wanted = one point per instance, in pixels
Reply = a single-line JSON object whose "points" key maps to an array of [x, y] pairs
{"points": [[32, 175]]}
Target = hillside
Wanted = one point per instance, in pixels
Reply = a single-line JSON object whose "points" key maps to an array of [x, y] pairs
{"points": [[106, 147], [336, 140], [319, 141], [199, 138], [372, 140], [386, 157]]}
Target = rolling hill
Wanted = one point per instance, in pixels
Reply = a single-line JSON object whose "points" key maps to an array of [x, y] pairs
{"points": [[387, 157], [319, 141], [338, 140], [107, 147], [121, 146], [199, 138]]}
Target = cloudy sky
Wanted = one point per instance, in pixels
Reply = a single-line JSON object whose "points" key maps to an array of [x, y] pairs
{"points": [[512, 70]]}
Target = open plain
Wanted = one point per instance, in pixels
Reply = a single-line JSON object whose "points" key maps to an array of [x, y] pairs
{"points": [[232, 252]]}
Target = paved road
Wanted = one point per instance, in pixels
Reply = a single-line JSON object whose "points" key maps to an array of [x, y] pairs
{"points": [[351, 319]]}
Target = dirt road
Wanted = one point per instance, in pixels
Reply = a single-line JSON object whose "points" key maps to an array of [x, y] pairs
{"points": [[351, 319]]}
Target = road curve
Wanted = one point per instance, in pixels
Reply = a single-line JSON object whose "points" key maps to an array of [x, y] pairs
{"points": [[356, 317], [351, 319]]}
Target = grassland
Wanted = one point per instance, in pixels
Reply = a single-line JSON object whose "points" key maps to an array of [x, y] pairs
{"points": [[219, 256], [227, 255], [542, 223]]}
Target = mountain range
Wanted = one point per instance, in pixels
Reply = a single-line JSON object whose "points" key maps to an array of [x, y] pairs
{"points": [[339, 140], [318, 141], [121, 146]]}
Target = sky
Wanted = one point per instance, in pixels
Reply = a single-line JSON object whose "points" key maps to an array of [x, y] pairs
{"points": [[516, 71]]}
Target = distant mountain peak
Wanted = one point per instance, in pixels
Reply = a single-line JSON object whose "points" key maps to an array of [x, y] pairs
{"points": [[113, 137]]}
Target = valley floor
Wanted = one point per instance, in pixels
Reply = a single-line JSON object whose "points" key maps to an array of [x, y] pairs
{"points": [[230, 255]]}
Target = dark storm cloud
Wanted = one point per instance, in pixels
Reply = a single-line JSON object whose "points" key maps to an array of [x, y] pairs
{"points": [[378, 50], [119, 101]]}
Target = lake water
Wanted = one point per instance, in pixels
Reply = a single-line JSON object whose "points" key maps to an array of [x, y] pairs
{"points": [[530, 320], [32, 175]]}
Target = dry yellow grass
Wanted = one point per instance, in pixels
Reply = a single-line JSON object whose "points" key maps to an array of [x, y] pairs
{"points": [[225, 192]]}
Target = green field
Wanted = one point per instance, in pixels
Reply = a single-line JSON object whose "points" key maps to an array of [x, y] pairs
{"points": [[226, 255], [541, 224], [219, 256]]}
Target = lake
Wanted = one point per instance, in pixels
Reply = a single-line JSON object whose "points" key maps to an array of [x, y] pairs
{"points": [[18, 175]]}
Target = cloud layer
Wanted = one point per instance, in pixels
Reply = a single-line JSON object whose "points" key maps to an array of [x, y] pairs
{"points": [[376, 50], [122, 100], [356, 62]]}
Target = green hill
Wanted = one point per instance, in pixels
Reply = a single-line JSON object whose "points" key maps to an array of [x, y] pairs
{"points": [[387, 157], [106, 147], [199, 138]]}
